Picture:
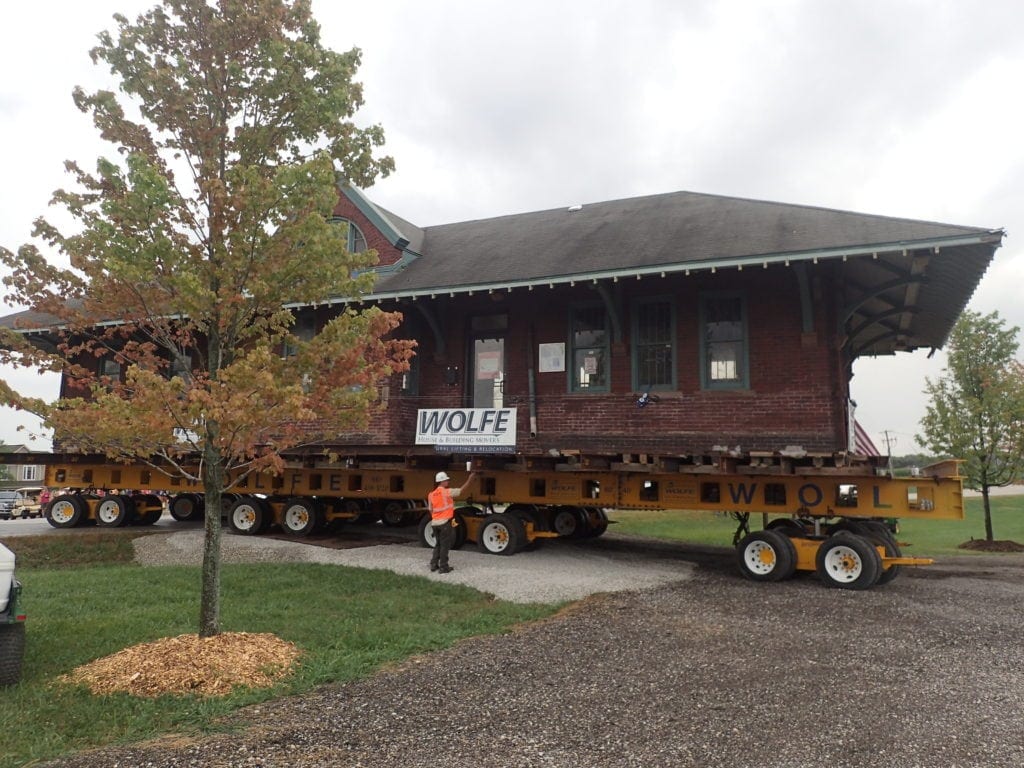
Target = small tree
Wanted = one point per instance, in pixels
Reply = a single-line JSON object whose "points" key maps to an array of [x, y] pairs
{"points": [[189, 245], [976, 411]]}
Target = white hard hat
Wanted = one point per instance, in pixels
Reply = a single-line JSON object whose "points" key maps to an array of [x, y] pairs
{"points": [[440, 477]]}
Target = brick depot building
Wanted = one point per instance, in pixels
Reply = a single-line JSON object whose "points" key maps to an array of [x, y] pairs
{"points": [[740, 318], [734, 322]]}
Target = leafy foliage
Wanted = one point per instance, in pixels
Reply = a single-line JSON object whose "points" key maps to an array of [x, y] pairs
{"points": [[193, 248], [976, 409]]}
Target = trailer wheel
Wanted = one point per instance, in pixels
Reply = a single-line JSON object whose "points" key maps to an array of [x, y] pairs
{"points": [[766, 556], [300, 516], [879, 535], [113, 511], [461, 534], [597, 522], [187, 506], [568, 522], [426, 532], [848, 561], [396, 514], [787, 526], [501, 535], [249, 516], [12, 652], [66, 511], [148, 508]]}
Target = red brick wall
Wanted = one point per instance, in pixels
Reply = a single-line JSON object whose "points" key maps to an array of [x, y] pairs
{"points": [[387, 253], [797, 394], [798, 382]]}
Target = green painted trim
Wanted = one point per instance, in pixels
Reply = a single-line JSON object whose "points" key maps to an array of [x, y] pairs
{"points": [[639, 386], [744, 381], [634, 273], [371, 212], [570, 351]]}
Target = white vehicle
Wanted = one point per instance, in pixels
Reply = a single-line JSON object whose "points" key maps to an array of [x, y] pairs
{"points": [[7, 499], [26, 503], [12, 621]]}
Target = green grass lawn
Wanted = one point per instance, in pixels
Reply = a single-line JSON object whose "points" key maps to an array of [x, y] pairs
{"points": [[85, 600]]}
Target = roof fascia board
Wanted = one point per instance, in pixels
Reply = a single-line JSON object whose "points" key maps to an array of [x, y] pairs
{"points": [[763, 260], [371, 212]]}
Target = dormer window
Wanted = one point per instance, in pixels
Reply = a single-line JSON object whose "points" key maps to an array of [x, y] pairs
{"points": [[356, 239]]}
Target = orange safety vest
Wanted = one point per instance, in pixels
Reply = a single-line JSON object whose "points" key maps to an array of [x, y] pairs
{"points": [[442, 505]]}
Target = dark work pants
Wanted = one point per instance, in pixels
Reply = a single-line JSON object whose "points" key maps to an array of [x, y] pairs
{"points": [[443, 536]]}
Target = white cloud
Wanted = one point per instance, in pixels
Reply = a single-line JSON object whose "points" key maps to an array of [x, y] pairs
{"points": [[898, 107]]}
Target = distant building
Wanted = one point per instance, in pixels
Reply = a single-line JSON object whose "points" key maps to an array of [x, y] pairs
{"points": [[17, 475]]}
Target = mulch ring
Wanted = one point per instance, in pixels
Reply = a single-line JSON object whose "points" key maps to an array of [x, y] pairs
{"points": [[982, 545], [189, 664]]}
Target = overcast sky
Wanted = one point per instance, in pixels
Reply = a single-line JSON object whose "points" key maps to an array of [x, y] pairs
{"points": [[902, 108]]}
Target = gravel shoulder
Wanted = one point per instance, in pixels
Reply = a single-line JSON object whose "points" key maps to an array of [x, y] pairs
{"points": [[552, 574], [705, 670]]}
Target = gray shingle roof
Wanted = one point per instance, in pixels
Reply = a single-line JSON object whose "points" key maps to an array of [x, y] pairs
{"points": [[680, 228], [908, 298]]}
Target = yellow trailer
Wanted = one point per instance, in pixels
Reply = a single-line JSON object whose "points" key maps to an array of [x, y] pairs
{"points": [[833, 520]]}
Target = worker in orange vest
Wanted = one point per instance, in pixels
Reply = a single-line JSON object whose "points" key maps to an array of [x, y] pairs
{"points": [[441, 502]]}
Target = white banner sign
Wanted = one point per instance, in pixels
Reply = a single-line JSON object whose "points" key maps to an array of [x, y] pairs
{"points": [[467, 430]]}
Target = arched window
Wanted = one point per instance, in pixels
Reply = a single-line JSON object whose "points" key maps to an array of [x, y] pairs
{"points": [[356, 239]]}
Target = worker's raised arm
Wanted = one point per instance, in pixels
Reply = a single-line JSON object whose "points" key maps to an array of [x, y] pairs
{"points": [[465, 485]]}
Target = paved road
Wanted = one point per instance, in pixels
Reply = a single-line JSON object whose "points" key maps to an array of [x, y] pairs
{"points": [[35, 526]]}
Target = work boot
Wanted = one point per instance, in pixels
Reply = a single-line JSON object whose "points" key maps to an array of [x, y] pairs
{"points": [[445, 569]]}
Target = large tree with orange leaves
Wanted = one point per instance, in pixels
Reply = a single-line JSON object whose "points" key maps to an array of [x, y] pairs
{"points": [[233, 127]]}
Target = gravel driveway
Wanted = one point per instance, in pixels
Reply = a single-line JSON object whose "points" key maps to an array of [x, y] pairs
{"points": [[708, 671]]}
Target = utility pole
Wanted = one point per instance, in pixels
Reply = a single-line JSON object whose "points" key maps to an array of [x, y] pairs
{"points": [[890, 441]]}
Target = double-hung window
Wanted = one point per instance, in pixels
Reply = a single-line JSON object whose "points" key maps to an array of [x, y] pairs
{"points": [[654, 345], [723, 341], [589, 349]]}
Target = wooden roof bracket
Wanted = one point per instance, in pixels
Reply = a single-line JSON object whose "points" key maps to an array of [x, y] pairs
{"points": [[878, 319], [806, 304], [876, 291], [440, 349], [614, 310]]}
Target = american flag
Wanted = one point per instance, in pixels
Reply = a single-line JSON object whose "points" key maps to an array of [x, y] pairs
{"points": [[862, 442]]}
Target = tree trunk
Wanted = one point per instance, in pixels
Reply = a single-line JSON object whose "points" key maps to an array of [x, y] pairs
{"points": [[988, 514], [213, 484]]}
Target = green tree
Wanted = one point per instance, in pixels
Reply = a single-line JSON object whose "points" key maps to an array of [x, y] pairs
{"points": [[976, 409], [233, 128]]}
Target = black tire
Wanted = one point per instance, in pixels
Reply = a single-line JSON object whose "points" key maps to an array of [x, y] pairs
{"points": [[880, 535], [848, 561], [149, 508], [527, 513], [460, 532], [114, 511], [501, 534], [301, 516], [357, 510], [396, 514], [187, 506], [787, 526], [249, 516], [597, 522], [568, 522], [425, 532], [66, 511], [766, 556], [12, 652]]}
